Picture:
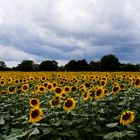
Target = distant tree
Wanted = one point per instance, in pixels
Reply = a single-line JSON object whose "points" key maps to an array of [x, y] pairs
{"points": [[25, 65], [129, 67], [81, 65], [2, 65], [62, 68], [71, 66], [138, 67], [109, 63], [36, 67], [94, 66], [48, 65]]}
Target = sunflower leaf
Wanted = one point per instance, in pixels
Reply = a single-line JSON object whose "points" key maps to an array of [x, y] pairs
{"points": [[111, 125], [131, 133], [2, 120], [35, 131], [109, 136]]}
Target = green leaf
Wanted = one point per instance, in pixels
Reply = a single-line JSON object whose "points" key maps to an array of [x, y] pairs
{"points": [[57, 123], [109, 136], [2, 120], [119, 134], [74, 133], [122, 103], [131, 133], [35, 131], [111, 125], [15, 134]]}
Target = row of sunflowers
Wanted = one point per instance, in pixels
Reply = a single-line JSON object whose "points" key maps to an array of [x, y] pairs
{"points": [[69, 105]]}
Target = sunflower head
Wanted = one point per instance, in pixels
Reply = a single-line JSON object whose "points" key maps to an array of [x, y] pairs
{"points": [[127, 117], [99, 93], [25, 87], [116, 89], [69, 104], [34, 102], [11, 89], [85, 96], [58, 90], [137, 82], [35, 115]]}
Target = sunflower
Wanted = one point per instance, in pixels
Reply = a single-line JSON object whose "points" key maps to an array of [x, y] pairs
{"points": [[127, 117], [55, 102], [116, 89], [2, 82], [66, 89], [9, 80], [58, 90], [11, 89], [99, 93], [54, 84], [86, 96], [3, 92], [69, 104], [106, 91], [25, 87], [137, 82], [73, 88], [35, 115], [41, 89], [45, 84], [49, 86], [34, 102], [102, 83]]}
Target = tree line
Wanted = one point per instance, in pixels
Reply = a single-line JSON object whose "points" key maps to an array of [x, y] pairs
{"points": [[107, 63]]}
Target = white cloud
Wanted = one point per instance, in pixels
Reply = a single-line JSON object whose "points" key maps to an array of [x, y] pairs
{"points": [[64, 30]]}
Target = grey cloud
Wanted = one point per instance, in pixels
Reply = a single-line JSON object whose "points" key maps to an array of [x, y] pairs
{"points": [[75, 29]]}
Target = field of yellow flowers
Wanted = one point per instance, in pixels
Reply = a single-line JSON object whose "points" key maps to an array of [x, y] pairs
{"points": [[69, 105]]}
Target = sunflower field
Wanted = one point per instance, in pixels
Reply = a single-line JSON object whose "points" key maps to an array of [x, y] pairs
{"points": [[69, 105]]}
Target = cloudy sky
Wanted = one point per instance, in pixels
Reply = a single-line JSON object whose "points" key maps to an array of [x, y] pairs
{"points": [[69, 29]]}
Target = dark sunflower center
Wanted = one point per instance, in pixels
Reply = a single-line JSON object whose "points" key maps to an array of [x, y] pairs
{"points": [[35, 113], [115, 89], [68, 103], [137, 82], [73, 88], [43, 78], [45, 85], [55, 102], [106, 91], [56, 98], [11, 89], [58, 90], [87, 84], [16, 81], [63, 95], [54, 84], [49, 86], [99, 92], [4, 92], [34, 102], [85, 95], [41, 88], [122, 86], [126, 116], [2, 82], [66, 89], [25, 87], [102, 83], [36, 88]]}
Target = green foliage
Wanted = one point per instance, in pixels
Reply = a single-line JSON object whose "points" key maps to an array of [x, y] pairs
{"points": [[89, 120]]}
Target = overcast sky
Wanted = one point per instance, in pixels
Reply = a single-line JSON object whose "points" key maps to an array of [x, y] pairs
{"points": [[69, 29]]}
